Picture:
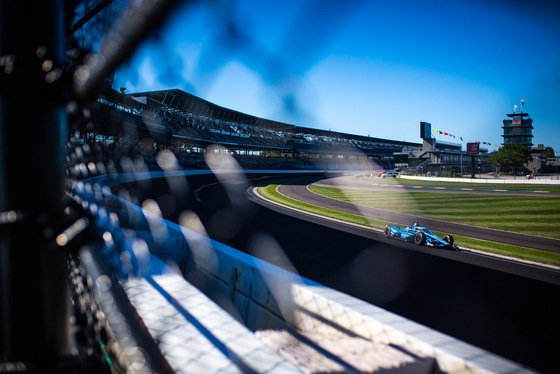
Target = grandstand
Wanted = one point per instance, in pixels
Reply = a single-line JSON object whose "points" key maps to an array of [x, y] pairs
{"points": [[187, 125]]}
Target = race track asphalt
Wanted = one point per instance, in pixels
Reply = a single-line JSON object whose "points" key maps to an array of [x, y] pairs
{"points": [[299, 191]]}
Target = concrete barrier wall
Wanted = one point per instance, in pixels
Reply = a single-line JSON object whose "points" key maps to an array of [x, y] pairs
{"points": [[260, 295], [519, 180]]}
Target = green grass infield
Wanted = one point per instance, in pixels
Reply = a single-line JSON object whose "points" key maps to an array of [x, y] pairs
{"points": [[533, 215], [472, 186]]}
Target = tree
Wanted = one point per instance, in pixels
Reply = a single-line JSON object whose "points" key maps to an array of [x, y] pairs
{"points": [[510, 157], [454, 170], [549, 152]]}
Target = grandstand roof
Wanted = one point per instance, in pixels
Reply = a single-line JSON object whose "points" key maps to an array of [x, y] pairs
{"points": [[184, 102], [181, 101], [440, 144], [329, 133]]}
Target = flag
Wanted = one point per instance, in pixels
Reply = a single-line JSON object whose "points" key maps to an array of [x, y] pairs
{"points": [[445, 133], [436, 131], [461, 138], [515, 107], [522, 101]]}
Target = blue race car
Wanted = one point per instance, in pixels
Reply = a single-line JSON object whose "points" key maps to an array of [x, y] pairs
{"points": [[420, 236]]}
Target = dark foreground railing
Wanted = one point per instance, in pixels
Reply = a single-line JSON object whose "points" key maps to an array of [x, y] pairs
{"points": [[43, 88]]}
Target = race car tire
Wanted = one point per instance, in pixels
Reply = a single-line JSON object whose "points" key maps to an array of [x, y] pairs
{"points": [[419, 238], [449, 239], [387, 231]]}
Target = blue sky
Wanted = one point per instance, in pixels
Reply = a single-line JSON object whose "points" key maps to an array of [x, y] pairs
{"points": [[365, 67]]}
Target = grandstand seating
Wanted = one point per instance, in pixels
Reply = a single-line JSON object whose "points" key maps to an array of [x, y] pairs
{"points": [[187, 125]]}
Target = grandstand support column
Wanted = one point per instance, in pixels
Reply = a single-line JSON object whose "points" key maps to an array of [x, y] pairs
{"points": [[33, 133]]}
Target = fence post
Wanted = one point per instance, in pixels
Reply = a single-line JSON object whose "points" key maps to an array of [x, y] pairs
{"points": [[33, 134]]}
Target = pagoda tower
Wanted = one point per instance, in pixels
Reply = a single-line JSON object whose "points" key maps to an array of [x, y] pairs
{"points": [[518, 129]]}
